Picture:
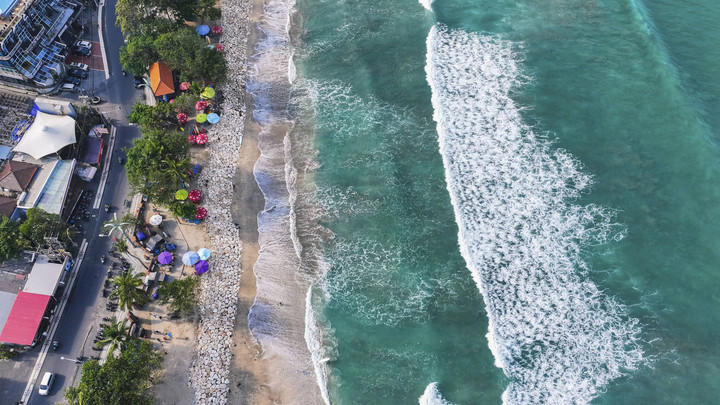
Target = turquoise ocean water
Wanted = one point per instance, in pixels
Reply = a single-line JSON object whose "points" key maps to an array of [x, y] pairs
{"points": [[522, 195]]}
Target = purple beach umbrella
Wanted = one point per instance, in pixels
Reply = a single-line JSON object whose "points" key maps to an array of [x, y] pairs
{"points": [[201, 267], [165, 258]]}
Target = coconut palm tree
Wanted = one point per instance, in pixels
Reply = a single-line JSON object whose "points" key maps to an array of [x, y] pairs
{"points": [[176, 169], [128, 290], [114, 334]]}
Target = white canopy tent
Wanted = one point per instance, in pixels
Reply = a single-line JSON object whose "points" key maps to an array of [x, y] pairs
{"points": [[47, 134]]}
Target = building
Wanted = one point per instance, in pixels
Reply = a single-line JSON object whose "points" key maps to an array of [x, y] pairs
{"points": [[161, 79], [16, 176], [32, 55], [26, 313]]}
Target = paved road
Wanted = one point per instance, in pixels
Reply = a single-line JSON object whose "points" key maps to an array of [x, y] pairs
{"points": [[85, 308]]}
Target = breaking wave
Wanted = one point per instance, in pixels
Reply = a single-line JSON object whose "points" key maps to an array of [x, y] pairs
{"points": [[432, 396], [556, 336]]}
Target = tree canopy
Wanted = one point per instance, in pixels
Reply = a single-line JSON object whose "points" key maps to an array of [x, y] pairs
{"points": [[122, 380], [11, 243], [128, 290], [39, 223], [147, 164], [138, 53], [181, 295], [136, 17]]}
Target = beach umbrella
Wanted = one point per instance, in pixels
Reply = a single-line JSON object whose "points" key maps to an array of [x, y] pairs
{"points": [[216, 29], [213, 118], [201, 213], [201, 105], [190, 258], [201, 267], [201, 138], [202, 30], [208, 92], [165, 258], [204, 253], [220, 47], [156, 220], [182, 118], [140, 235], [200, 118], [191, 138], [195, 196], [184, 86], [181, 194]]}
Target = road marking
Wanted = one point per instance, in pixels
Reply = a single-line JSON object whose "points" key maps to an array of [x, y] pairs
{"points": [[106, 169], [102, 40], [54, 324]]}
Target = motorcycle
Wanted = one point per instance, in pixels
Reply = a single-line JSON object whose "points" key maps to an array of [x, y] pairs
{"points": [[55, 345], [102, 259]]}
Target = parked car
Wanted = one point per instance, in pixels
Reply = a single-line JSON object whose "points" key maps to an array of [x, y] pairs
{"points": [[82, 51], [83, 44], [78, 65], [46, 383], [68, 87], [81, 74], [73, 80]]}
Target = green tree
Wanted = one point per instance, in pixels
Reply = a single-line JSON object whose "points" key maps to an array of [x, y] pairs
{"points": [[122, 380], [138, 53], [185, 103], [183, 209], [209, 66], [181, 295], [206, 10], [147, 173], [39, 223], [128, 291], [7, 352], [138, 17], [11, 243], [114, 334], [160, 116], [177, 169], [184, 51]]}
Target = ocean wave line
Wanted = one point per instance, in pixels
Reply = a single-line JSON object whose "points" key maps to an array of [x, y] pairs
{"points": [[556, 336]]}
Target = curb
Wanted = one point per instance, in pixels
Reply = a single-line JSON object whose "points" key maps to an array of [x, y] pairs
{"points": [[102, 39], [54, 324]]}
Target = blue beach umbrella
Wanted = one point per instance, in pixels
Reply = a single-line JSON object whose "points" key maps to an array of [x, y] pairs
{"points": [[190, 258], [202, 30], [213, 118], [204, 253]]}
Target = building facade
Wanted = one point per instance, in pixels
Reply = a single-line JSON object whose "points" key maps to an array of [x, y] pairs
{"points": [[32, 55]]}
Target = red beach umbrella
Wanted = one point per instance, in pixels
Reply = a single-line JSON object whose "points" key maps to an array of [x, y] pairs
{"points": [[195, 196], [192, 138], [201, 105], [184, 86], [182, 118], [201, 213], [216, 29], [220, 47], [201, 138]]}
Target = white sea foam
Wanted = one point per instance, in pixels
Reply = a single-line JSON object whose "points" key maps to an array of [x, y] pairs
{"points": [[432, 396], [426, 3], [555, 334]]}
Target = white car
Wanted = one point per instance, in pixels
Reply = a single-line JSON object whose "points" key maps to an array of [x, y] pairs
{"points": [[46, 383], [78, 65], [83, 44]]}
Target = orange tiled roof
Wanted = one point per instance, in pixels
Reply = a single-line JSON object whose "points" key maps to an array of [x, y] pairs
{"points": [[161, 79]]}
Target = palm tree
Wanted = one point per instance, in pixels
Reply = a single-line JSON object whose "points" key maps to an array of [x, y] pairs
{"points": [[127, 290], [176, 169], [116, 224], [114, 334]]}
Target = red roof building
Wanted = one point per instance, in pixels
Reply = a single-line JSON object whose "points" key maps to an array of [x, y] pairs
{"points": [[25, 318]]}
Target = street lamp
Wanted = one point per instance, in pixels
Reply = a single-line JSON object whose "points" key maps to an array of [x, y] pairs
{"points": [[76, 361]]}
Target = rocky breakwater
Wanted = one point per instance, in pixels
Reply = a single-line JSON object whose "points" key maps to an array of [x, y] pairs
{"points": [[209, 375]]}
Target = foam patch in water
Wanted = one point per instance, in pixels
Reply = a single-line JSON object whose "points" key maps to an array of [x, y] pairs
{"points": [[554, 333], [432, 396]]}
